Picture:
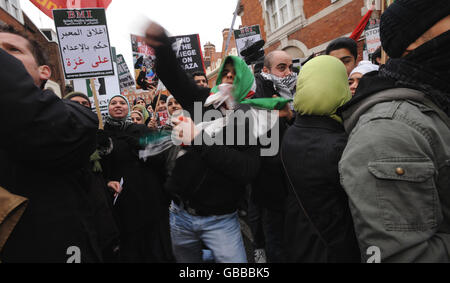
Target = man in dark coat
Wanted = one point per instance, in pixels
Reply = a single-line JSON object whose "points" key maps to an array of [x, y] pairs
{"points": [[207, 181], [48, 147], [266, 207], [319, 225], [395, 168]]}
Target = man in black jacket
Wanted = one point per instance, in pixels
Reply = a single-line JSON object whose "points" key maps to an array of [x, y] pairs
{"points": [[48, 147], [207, 181], [266, 206]]}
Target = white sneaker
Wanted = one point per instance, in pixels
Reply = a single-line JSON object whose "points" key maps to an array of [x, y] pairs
{"points": [[260, 256]]}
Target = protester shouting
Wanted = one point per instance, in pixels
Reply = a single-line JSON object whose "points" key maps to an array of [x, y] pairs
{"points": [[140, 205], [208, 181], [48, 148], [108, 233]]}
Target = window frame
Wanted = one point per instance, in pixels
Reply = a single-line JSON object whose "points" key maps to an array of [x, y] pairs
{"points": [[277, 10]]}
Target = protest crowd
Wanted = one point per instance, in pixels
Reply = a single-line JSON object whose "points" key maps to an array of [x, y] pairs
{"points": [[345, 161]]}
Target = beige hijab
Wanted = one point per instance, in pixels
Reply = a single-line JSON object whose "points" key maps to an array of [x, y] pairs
{"points": [[11, 209]]}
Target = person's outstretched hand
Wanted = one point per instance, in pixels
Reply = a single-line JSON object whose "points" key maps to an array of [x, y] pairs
{"points": [[154, 35]]}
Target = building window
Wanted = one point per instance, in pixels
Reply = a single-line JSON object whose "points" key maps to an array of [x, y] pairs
{"points": [[280, 12], [13, 8], [272, 13], [295, 6]]}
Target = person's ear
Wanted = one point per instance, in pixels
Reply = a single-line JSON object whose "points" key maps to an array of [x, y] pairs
{"points": [[266, 70], [44, 73]]}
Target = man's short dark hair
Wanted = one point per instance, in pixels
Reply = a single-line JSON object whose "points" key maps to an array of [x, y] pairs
{"points": [[375, 55], [343, 42], [38, 53], [199, 74]]}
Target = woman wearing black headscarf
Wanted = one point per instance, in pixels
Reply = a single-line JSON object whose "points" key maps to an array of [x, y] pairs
{"points": [[140, 206]]}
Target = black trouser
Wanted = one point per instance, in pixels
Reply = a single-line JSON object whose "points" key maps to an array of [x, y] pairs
{"points": [[267, 227]]}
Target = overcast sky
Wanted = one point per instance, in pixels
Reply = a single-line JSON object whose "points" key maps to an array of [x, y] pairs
{"points": [[205, 17]]}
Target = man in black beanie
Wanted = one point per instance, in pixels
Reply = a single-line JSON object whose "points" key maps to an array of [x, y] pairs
{"points": [[396, 166]]}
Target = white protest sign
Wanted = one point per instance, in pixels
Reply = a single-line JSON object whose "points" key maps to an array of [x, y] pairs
{"points": [[84, 43], [246, 36]]}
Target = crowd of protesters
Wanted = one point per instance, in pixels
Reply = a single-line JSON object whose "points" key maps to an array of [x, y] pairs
{"points": [[358, 170]]}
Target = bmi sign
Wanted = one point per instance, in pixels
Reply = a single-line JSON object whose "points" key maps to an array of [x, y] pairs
{"points": [[84, 43]]}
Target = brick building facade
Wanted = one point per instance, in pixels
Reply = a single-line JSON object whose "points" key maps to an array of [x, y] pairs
{"points": [[299, 27], [304, 27], [22, 23]]}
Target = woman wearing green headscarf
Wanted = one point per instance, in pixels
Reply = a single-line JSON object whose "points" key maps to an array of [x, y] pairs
{"points": [[210, 178], [145, 115], [319, 226]]}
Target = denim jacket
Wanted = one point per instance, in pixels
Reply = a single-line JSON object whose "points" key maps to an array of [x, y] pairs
{"points": [[396, 172]]}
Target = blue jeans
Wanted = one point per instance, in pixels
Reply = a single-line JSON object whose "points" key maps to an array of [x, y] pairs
{"points": [[220, 233]]}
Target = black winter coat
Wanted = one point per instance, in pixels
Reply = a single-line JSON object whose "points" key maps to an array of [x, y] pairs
{"points": [[48, 142], [269, 187], [319, 226], [142, 208], [213, 178]]}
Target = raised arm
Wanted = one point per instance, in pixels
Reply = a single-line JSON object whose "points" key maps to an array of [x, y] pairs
{"points": [[38, 126], [169, 71]]}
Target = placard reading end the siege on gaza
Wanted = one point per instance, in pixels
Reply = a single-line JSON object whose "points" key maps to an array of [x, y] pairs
{"points": [[84, 43]]}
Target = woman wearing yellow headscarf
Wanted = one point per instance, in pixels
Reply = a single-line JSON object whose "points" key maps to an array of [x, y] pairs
{"points": [[319, 226]]}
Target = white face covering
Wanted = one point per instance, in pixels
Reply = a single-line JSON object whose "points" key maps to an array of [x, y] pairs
{"points": [[223, 98]]}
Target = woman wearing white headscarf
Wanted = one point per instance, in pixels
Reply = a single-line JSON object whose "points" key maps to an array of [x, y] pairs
{"points": [[363, 68]]}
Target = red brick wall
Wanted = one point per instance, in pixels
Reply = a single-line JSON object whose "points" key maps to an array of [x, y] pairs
{"points": [[232, 45], [341, 21], [253, 15], [360, 44], [272, 47], [312, 7]]}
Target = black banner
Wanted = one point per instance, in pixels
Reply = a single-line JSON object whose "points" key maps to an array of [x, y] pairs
{"points": [[189, 52]]}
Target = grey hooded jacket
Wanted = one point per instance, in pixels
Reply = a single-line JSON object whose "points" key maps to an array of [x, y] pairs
{"points": [[396, 172]]}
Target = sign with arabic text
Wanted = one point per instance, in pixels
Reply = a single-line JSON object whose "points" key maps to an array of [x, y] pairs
{"points": [[84, 43]]}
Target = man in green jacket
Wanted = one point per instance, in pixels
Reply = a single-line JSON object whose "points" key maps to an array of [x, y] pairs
{"points": [[396, 166]]}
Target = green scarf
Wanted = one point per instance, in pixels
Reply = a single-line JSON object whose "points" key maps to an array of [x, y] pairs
{"points": [[322, 87], [244, 87]]}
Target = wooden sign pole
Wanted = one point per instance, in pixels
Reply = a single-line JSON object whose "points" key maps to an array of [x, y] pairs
{"points": [[97, 107]]}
